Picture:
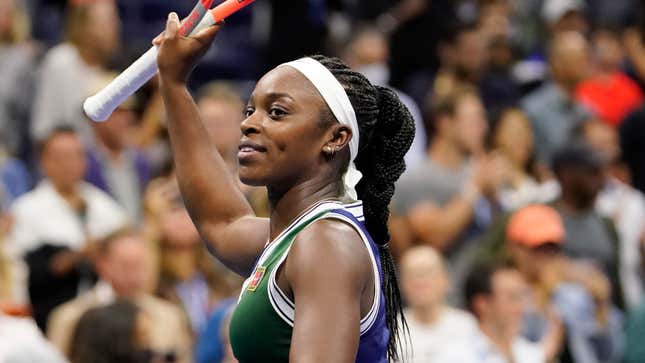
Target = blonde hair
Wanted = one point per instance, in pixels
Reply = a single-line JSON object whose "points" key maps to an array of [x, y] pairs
{"points": [[20, 27]]}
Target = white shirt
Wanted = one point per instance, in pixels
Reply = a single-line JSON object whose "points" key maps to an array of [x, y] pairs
{"points": [[478, 349], [64, 81], [43, 216], [625, 206], [22, 342], [429, 341]]}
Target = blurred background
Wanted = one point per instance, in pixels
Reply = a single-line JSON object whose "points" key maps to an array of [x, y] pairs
{"points": [[518, 227]]}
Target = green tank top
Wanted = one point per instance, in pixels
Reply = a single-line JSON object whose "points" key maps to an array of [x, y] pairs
{"points": [[262, 323]]}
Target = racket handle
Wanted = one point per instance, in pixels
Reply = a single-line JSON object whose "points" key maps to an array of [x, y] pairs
{"points": [[100, 106]]}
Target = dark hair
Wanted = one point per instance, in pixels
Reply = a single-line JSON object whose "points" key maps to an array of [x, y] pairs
{"points": [[480, 281], [575, 156], [386, 130], [58, 130], [106, 334], [447, 104]]}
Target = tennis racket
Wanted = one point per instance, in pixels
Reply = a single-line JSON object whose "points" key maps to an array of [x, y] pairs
{"points": [[100, 106]]}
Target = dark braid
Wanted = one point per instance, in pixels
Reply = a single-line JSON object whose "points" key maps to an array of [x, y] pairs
{"points": [[386, 130]]}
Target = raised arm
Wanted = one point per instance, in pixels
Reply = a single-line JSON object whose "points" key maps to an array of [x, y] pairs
{"points": [[211, 194]]}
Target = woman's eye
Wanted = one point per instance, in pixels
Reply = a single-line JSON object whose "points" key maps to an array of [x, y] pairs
{"points": [[276, 112], [248, 111]]}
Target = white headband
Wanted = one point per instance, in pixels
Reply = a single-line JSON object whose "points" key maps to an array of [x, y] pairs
{"points": [[336, 98]]}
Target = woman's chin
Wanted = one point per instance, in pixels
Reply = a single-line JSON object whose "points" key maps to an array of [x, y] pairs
{"points": [[250, 179]]}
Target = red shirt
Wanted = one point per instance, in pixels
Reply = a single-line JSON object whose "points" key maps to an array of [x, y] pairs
{"points": [[610, 98]]}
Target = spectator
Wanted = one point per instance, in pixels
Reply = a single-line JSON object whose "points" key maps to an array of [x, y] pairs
{"points": [[368, 53], [590, 236], [434, 326], [124, 266], [119, 332], [22, 342], [17, 60], [512, 138], [441, 202], [609, 93], [573, 292], [621, 203], [552, 109], [496, 296], [115, 165], [56, 224], [70, 69]]}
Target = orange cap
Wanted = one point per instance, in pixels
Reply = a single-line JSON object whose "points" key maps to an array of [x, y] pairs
{"points": [[535, 225]]}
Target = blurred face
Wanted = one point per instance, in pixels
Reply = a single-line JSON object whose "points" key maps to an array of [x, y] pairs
{"points": [[472, 54], [63, 161], [505, 306], [423, 280], [514, 138], [178, 230], [603, 139], [581, 185], [531, 261], [125, 266], [7, 8], [222, 119], [282, 139], [470, 126], [608, 50], [570, 58], [117, 130], [369, 48], [103, 29]]}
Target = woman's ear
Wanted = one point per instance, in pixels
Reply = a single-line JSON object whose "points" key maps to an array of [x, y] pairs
{"points": [[338, 138]]}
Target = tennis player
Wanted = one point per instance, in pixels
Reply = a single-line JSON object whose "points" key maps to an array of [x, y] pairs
{"points": [[328, 146]]}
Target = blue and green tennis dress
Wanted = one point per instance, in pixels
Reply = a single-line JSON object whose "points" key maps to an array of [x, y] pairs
{"points": [[262, 324]]}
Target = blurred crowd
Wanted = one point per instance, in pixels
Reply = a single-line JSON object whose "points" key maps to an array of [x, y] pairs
{"points": [[518, 227]]}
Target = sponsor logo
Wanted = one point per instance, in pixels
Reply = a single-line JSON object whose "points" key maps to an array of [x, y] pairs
{"points": [[256, 278]]}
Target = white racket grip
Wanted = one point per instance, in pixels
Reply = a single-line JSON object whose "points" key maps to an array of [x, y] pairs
{"points": [[100, 106]]}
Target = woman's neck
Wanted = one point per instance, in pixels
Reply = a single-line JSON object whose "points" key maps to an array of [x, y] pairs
{"points": [[285, 206]]}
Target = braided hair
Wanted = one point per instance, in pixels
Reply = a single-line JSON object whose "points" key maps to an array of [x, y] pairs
{"points": [[386, 130]]}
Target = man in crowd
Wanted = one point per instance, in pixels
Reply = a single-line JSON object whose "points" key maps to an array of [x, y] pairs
{"points": [[590, 236], [124, 267], [496, 295], [445, 202], [433, 324], [621, 203], [552, 109], [56, 224], [565, 294], [70, 69]]}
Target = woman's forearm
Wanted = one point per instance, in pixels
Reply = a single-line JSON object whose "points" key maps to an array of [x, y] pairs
{"points": [[210, 192]]}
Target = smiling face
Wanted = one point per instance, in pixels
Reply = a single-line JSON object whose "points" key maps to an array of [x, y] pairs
{"points": [[285, 131]]}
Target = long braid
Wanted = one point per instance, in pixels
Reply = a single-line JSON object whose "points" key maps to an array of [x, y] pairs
{"points": [[386, 130]]}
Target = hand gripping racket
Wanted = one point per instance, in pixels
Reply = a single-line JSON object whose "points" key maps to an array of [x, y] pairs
{"points": [[100, 106]]}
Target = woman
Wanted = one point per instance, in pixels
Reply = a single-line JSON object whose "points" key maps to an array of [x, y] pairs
{"points": [[512, 138], [312, 128]]}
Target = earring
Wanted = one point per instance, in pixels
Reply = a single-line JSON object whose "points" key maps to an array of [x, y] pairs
{"points": [[329, 151]]}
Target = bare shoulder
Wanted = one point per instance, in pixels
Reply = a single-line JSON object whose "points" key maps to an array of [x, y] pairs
{"points": [[330, 247]]}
